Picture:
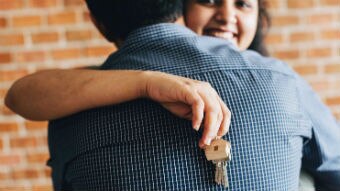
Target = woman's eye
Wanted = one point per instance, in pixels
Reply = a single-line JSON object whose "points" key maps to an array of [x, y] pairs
{"points": [[243, 4], [209, 2]]}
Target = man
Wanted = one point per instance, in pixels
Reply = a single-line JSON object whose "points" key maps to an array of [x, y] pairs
{"points": [[140, 146]]}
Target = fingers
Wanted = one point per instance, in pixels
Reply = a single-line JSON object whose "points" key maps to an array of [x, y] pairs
{"points": [[211, 123], [191, 99], [224, 128], [197, 113], [207, 105], [213, 115]]}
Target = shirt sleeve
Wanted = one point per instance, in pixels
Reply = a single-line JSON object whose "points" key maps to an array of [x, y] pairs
{"points": [[321, 154]]}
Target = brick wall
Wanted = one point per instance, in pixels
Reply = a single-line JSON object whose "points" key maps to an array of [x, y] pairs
{"points": [[41, 34]]}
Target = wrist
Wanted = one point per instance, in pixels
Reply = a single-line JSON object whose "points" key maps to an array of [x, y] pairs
{"points": [[143, 78]]}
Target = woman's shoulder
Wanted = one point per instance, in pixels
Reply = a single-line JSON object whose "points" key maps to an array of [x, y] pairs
{"points": [[266, 62]]}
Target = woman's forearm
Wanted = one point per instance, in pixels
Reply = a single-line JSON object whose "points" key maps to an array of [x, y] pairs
{"points": [[52, 94]]}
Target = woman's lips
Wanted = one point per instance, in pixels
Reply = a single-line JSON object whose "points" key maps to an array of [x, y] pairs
{"points": [[225, 34]]}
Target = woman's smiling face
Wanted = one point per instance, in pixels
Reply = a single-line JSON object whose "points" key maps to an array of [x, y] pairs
{"points": [[233, 20]]}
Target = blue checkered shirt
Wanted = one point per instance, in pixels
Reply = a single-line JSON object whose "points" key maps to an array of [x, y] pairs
{"points": [[278, 124]]}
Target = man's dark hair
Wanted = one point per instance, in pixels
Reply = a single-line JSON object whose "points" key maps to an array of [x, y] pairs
{"points": [[117, 18]]}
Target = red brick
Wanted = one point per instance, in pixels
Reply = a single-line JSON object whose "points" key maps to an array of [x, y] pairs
{"points": [[23, 142], [43, 140], [330, 2], [5, 111], [307, 69], [5, 58], [286, 20], [78, 35], [48, 172], [26, 21], [15, 187], [11, 39], [99, 51], [68, 3], [337, 115], [66, 54], [45, 37], [10, 159], [7, 127], [4, 176], [11, 75], [300, 4], [42, 3], [274, 39], [11, 4], [62, 18], [331, 34], [23, 57], [333, 101], [3, 22], [38, 157], [36, 125], [97, 35], [274, 4], [332, 68], [287, 54], [3, 92], [43, 187], [337, 84], [301, 36], [321, 18], [321, 85], [319, 52], [86, 16], [25, 174]]}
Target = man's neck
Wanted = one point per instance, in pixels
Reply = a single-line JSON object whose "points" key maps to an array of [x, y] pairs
{"points": [[119, 42], [180, 21]]}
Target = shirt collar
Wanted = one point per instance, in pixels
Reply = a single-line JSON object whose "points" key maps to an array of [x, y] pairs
{"points": [[156, 32]]}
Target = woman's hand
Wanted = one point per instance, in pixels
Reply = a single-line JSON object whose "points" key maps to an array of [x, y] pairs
{"points": [[190, 99]]}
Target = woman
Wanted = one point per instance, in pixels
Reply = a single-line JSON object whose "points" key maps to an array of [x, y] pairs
{"points": [[243, 22], [50, 94]]}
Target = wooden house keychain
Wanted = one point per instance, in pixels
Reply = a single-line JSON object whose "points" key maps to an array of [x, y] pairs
{"points": [[219, 153]]}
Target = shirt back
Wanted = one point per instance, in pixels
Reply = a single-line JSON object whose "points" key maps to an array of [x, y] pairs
{"points": [[140, 146]]}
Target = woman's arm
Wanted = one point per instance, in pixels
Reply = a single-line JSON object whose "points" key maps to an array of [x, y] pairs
{"points": [[52, 94]]}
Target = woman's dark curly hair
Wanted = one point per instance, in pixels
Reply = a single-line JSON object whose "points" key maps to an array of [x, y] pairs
{"points": [[263, 25]]}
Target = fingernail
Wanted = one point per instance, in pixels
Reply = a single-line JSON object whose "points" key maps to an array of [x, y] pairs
{"points": [[208, 141], [197, 127]]}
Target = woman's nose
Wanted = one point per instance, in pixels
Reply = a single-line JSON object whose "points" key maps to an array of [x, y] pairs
{"points": [[226, 13]]}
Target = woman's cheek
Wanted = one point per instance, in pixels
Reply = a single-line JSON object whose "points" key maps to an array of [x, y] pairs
{"points": [[192, 23], [248, 29]]}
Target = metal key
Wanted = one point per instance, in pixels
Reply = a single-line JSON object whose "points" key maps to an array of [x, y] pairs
{"points": [[225, 182], [219, 153], [221, 176]]}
